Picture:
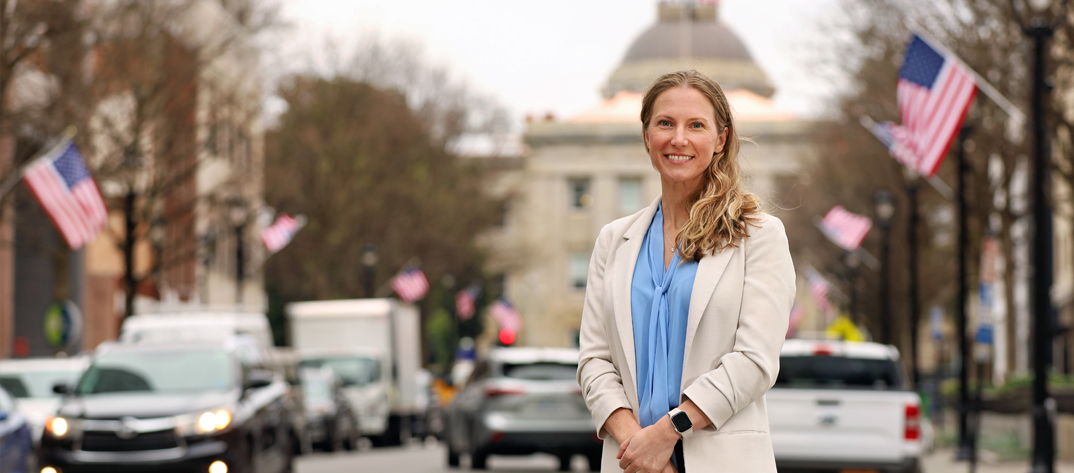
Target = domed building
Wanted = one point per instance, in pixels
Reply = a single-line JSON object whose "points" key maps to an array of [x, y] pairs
{"points": [[581, 173], [688, 36]]}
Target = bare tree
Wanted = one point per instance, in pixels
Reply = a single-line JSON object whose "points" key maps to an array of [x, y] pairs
{"points": [[171, 91]]}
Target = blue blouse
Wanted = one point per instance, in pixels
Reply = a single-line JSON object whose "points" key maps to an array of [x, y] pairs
{"points": [[659, 305]]}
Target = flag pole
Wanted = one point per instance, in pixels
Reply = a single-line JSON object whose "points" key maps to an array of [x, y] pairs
{"points": [[934, 181], [9, 183], [861, 252], [982, 84]]}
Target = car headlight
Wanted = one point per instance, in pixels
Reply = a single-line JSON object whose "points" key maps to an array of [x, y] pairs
{"points": [[61, 427], [203, 423]]}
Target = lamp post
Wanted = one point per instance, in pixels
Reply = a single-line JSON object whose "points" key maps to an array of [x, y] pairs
{"points": [[852, 261], [238, 215], [912, 186], [369, 264], [965, 440], [1039, 19], [884, 204]]}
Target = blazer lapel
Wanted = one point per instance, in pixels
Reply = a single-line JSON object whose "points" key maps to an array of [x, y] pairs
{"points": [[626, 257], [709, 271]]}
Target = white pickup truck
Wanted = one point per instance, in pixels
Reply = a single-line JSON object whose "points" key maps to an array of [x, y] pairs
{"points": [[844, 406]]}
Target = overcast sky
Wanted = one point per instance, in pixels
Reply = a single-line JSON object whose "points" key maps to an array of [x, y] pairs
{"points": [[552, 55]]}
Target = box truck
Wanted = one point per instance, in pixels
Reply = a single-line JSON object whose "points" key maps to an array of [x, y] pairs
{"points": [[373, 345]]}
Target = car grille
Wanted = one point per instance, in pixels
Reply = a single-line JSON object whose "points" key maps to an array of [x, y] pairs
{"points": [[110, 442]]}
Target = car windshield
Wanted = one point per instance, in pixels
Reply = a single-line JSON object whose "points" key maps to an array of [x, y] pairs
{"points": [[37, 384], [837, 372], [352, 370], [541, 371], [160, 371], [316, 389]]}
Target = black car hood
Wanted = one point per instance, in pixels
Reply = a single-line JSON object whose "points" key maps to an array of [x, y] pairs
{"points": [[144, 405]]}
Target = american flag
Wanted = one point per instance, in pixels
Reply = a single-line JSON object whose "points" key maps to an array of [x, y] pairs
{"points": [[894, 139], [280, 233], [844, 228], [66, 190], [934, 92], [819, 288], [506, 316], [410, 284], [465, 302]]}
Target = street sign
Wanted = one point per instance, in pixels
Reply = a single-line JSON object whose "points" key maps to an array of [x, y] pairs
{"points": [[989, 253], [63, 324], [936, 319]]}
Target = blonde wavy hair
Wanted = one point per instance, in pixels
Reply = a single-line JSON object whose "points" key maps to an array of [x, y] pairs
{"points": [[722, 207]]}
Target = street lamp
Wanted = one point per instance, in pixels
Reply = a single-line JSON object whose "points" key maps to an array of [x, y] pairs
{"points": [[884, 209], [238, 214], [369, 263], [1039, 19], [852, 261]]}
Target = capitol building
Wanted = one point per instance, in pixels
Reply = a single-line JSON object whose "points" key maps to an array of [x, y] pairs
{"points": [[580, 173]]}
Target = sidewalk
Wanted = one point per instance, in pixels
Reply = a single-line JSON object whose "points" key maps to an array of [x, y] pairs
{"points": [[942, 460]]}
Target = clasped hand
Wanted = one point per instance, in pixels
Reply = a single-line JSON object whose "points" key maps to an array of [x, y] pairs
{"points": [[649, 450]]}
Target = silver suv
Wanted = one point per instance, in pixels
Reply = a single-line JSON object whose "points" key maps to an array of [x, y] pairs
{"points": [[521, 401]]}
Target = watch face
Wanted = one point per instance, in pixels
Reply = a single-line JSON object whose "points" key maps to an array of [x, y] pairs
{"points": [[682, 422]]}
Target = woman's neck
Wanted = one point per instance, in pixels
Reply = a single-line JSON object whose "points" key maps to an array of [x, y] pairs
{"points": [[675, 204]]}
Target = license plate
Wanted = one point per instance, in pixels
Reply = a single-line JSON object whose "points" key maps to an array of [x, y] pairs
{"points": [[859, 471], [549, 406]]}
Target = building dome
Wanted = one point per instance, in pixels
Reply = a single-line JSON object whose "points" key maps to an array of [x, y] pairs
{"points": [[688, 36], [706, 41]]}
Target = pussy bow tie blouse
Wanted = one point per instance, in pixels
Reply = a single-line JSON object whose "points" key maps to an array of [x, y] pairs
{"points": [[659, 306]]}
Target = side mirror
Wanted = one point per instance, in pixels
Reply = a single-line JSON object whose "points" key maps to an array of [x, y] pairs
{"points": [[60, 388], [258, 379]]}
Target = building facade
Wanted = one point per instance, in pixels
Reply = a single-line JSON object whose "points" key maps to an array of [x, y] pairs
{"points": [[191, 171]]}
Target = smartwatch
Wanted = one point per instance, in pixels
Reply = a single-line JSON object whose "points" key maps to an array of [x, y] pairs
{"points": [[681, 422]]}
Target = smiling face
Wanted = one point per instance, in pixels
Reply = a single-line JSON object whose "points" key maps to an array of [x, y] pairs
{"points": [[682, 137]]}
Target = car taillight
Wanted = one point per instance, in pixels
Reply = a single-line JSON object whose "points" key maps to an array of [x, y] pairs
{"points": [[822, 349], [913, 422], [493, 391]]}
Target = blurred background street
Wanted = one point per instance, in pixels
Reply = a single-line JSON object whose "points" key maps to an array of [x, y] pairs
{"points": [[346, 235]]}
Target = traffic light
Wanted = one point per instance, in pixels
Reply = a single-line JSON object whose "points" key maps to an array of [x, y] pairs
{"points": [[507, 337]]}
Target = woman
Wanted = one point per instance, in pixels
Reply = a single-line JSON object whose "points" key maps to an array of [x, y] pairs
{"points": [[687, 301]]}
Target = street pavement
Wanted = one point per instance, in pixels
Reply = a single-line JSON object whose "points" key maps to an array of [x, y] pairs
{"points": [[943, 461], [431, 458]]}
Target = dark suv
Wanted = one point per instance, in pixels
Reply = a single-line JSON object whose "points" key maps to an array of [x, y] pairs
{"points": [[191, 407]]}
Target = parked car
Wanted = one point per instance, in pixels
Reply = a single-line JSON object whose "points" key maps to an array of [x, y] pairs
{"points": [[520, 401], [840, 406], [16, 447], [30, 381], [195, 407], [330, 421]]}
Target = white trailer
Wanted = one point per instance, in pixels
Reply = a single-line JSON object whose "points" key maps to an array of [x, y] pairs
{"points": [[374, 347]]}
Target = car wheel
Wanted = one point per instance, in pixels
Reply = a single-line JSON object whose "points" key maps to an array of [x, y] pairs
{"points": [[479, 460], [565, 462], [452, 457], [594, 461]]}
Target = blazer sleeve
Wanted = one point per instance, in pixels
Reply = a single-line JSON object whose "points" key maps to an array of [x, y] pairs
{"points": [[602, 386], [749, 370]]}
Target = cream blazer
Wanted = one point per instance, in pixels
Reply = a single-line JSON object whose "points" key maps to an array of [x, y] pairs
{"points": [[737, 321]]}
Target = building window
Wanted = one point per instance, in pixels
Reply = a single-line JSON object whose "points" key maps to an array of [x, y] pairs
{"points": [[629, 194], [579, 270], [581, 194]]}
